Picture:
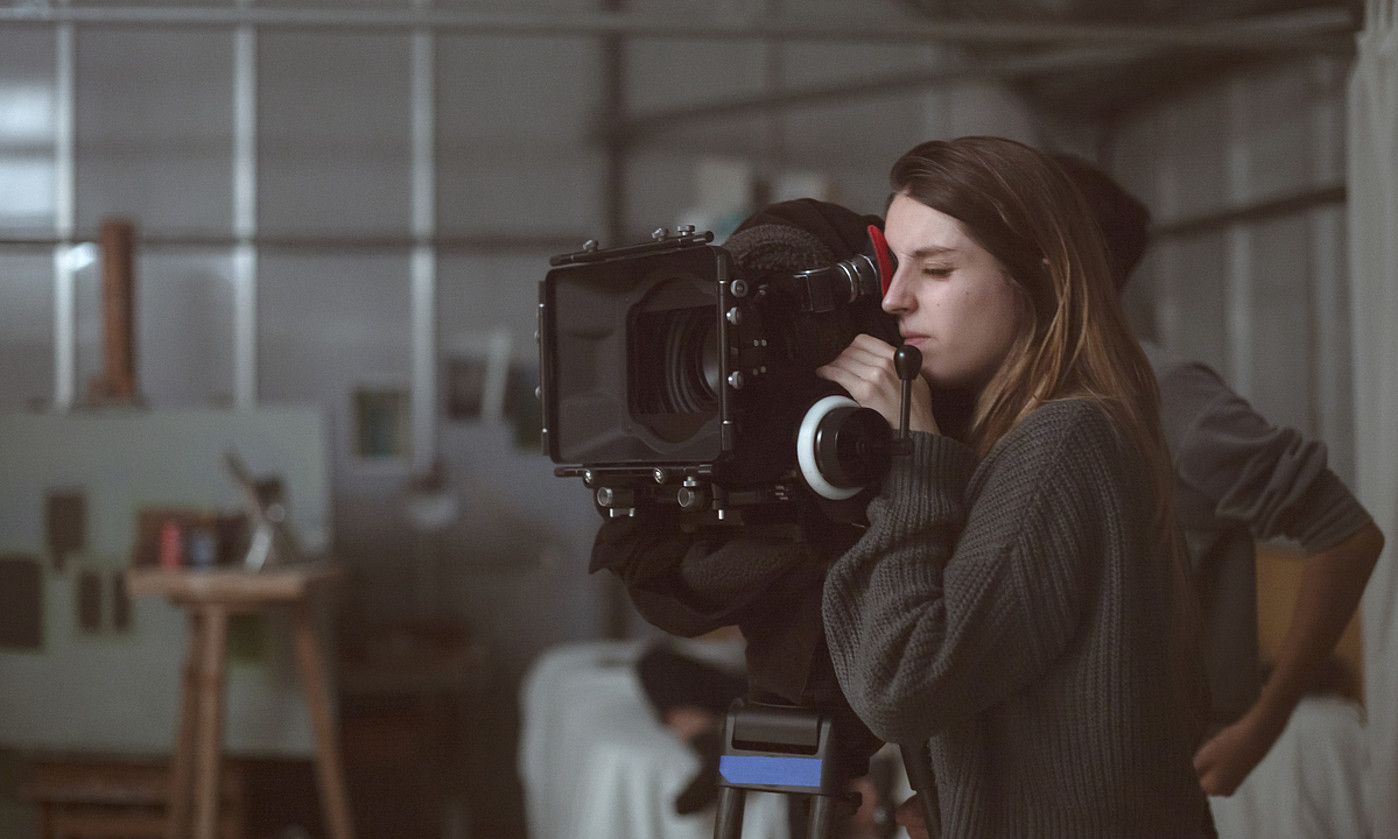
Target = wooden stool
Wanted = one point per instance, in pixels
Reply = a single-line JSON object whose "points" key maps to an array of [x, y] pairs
{"points": [[88, 796], [210, 596]]}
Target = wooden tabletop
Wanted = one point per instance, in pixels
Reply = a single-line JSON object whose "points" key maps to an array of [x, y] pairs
{"points": [[232, 585]]}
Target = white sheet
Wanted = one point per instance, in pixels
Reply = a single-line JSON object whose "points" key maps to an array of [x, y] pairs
{"points": [[594, 762], [1310, 786]]}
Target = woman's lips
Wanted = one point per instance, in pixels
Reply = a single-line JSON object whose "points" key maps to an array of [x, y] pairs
{"points": [[915, 340]]}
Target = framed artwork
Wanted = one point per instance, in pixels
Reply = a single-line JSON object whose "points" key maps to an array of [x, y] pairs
{"points": [[476, 375], [382, 419]]}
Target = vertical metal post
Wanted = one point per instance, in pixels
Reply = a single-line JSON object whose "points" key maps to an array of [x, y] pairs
{"points": [[1331, 409], [1238, 279], [245, 376], [774, 151], [423, 269], [613, 111], [65, 308], [617, 609], [1168, 311]]}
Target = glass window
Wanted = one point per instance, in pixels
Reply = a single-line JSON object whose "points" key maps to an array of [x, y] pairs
{"points": [[505, 163], [330, 326], [26, 328], [27, 131], [334, 143], [154, 129]]}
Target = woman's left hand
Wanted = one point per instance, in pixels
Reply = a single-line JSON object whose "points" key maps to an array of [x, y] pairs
{"points": [[866, 370]]}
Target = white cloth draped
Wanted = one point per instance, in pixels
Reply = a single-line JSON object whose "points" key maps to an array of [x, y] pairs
{"points": [[1310, 785], [1373, 258], [596, 764]]}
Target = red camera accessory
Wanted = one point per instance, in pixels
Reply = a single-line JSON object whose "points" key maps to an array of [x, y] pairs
{"points": [[883, 258]]}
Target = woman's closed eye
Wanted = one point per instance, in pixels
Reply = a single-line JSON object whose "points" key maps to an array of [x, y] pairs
{"points": [[936, 270]]}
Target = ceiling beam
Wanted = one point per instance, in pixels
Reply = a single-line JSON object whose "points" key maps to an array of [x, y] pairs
{"points": [[667, 119], [1310, 30], [1244, 38]]}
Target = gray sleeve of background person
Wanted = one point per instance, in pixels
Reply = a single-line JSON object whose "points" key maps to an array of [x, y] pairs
{"points": [[1271, 479], [956, 597]]}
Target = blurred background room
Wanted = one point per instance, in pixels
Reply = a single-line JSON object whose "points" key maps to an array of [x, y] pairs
{"points": [[268, 285]]}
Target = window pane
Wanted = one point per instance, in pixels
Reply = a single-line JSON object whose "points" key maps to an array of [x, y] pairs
{"points": [[155, 129], [328, 327], [26, 131], [184, 346], [505, 163], [334, 149], [26, 329]]}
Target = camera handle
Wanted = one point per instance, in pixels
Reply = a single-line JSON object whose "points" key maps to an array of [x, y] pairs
{"points": [[907, 360]]}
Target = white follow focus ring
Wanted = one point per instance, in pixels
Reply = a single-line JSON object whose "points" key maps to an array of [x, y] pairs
{"points": [[805, 448]]}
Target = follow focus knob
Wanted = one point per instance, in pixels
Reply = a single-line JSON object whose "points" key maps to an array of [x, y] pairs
{"points": [[907, 361]]}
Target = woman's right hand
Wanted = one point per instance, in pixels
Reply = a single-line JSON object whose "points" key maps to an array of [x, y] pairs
{"points": [[866, 371], [910, 815]]}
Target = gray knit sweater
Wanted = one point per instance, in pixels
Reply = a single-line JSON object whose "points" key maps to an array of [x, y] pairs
{"points": [[1016, 612]]}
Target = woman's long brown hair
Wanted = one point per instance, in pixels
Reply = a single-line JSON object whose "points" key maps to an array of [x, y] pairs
{"points": [[1074, 342]]}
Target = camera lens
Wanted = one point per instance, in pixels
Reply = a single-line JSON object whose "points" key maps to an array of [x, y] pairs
{"points": [[678, 363], [691, 362]]}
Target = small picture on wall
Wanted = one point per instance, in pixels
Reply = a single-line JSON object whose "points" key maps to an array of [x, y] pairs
{"points": [[476, 375], [65, 519], [382, 422], [21, 603]]}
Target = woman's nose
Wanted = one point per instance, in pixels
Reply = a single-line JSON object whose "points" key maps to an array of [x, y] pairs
{"points": [[897, 300]]}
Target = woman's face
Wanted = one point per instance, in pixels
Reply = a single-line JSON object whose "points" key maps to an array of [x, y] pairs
{"points": [[953, 300]]}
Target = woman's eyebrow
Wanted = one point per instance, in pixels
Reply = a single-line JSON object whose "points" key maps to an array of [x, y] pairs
{"points": [[932, 250]]}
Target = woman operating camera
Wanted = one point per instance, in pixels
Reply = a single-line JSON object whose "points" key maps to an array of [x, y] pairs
{"points": [[1018, 599]]}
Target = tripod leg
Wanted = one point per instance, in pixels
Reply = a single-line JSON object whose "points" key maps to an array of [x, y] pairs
{"points": [[918, 763], [729, 822], [822, 823]]}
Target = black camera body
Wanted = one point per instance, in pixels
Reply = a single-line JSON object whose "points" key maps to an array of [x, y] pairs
{"points": [[668, 378]]}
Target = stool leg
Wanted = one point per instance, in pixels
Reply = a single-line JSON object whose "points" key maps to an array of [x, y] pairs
{"points": [[182, 760], [209, 731], [334, 800]]}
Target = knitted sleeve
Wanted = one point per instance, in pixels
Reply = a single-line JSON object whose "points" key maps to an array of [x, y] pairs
{"points": [[972, 580]]}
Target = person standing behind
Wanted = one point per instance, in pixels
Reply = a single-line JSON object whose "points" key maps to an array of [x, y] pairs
{"points": [[1019, 600], [1238, 477]]}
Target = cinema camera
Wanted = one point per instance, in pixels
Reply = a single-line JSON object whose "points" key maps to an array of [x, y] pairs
{"points": [[667, 378]]}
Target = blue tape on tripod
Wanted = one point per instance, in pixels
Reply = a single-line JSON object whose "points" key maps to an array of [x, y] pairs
{"points": [[770, 771]]}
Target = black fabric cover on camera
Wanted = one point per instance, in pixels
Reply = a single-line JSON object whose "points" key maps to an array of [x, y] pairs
{"points": [[791, 236]]}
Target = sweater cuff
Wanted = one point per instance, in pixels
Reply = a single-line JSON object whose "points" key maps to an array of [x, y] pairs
{"points": [[932, 479]]}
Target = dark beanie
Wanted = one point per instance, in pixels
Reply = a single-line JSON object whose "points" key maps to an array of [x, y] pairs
{"points": [[1123, 220]]}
